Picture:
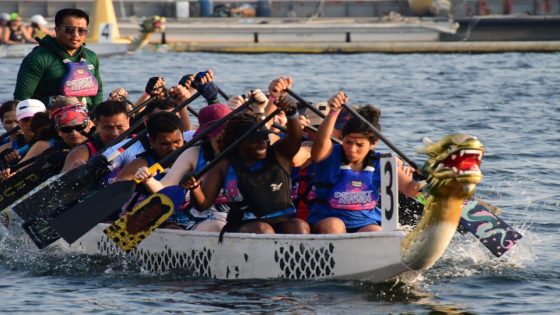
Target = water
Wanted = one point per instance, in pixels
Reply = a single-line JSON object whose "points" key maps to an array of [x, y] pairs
{"points": [[510, 101]]}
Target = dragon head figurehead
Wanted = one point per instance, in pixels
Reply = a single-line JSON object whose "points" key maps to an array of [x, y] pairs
{"points": [[153, 24], [453, 165], [453, 171]]}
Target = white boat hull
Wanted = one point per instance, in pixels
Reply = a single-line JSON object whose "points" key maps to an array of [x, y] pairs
{"points": [[373, 257]]}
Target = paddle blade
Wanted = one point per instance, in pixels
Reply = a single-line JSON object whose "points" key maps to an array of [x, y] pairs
{"points": [[493, 232], [66, 188], [24, 181], [96, 207], [40, 232], [131, 229]]}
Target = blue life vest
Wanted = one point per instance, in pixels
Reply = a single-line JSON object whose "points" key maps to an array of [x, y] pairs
{"points": [[351, 196]]}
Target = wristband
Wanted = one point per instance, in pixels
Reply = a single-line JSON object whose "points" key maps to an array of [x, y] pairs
{"points": [[333, 113], [271, 99]]}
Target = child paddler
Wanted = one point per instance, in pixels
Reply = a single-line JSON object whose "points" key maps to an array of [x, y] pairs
{"points": [[62, 65], [348, 183], [255, 178]]}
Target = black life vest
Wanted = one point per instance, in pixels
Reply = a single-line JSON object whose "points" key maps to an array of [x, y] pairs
{"points": [[266, 190]]}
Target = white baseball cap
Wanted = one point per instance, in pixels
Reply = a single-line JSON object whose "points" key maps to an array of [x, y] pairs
{"points": [[28, 108], [39, 19]]}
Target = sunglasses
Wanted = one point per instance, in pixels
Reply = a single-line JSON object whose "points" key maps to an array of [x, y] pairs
{"points": [[70, 30], [69, 129]]}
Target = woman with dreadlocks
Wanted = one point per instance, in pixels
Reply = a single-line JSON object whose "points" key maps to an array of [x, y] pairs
{"points": [[255, 178]]}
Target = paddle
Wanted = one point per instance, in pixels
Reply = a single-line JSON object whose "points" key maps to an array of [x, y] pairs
{"points": [[128, 231], [44, 166], [76, 182], [79, 219]]}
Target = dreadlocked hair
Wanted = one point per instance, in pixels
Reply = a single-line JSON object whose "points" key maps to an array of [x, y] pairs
{"points": [[355, 125], [237, 126]]}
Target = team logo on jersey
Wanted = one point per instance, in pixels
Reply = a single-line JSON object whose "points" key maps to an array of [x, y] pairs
{"points": [[276, 187], [357, 183]]}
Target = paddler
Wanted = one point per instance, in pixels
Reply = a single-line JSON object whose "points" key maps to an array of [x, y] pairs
{"points": [[62, 65], [255, 178], [348, 183]]}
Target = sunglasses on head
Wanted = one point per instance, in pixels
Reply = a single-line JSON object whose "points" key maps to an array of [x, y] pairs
{"points": [[69, 129], [70, 30]]}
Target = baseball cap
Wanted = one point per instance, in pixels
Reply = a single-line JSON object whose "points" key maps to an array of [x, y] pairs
{"points": [[28, 108], [315, 119], [39, 19], [210, 114], [14, 16], [4, 17]]}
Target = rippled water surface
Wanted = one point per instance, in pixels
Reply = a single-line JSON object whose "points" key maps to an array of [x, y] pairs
{"points": [[510, 101]]}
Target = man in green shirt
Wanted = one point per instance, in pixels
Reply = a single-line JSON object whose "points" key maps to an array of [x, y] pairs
{"points": [[42, 71]]}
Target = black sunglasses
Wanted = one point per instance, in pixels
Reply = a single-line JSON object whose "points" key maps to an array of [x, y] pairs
{"points": [[70, 30], [69, 129]]}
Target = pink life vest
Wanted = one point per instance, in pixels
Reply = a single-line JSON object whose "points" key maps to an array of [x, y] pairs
{"points": [[78, 80]]}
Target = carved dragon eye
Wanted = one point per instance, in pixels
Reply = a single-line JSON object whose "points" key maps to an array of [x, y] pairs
{"points": [[451, 148]]}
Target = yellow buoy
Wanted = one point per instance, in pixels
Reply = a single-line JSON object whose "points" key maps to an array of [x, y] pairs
{"points": [[104, 27]]}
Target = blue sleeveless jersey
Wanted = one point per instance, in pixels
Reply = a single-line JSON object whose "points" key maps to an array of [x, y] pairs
{"points": [[351, 196]]}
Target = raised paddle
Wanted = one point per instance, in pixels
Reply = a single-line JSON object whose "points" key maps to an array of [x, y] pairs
{"points": [[129, 230], [74, 183], [81, 218]]}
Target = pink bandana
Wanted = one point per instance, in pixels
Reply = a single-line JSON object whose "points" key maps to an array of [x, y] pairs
{"points": [[70, 115]]}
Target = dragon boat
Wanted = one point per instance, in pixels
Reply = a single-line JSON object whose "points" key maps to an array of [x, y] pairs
{"points": [[104, 38], [453, 172]]}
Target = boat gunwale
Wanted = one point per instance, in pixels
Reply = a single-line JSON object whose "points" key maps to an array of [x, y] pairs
{"points": [[280, 237]]}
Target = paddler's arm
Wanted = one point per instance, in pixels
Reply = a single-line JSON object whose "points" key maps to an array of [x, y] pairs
{"points": [[184, 164], [322, 145], [181, 94], [36, 149], [205, 86], [407, 185], [289, 146], [128, 172], [28, 77], [276, 89], [77, 157], [205, 191]]}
